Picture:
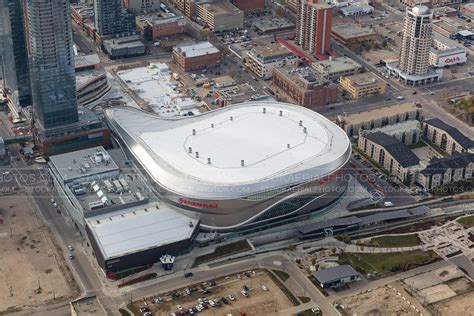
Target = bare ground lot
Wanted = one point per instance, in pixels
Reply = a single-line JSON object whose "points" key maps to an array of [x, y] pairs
{"points": [[459, 305], [259, 302], [375, 55], [32, 269], [379, 302]]}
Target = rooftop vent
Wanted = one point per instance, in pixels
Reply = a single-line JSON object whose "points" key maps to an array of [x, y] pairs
{"points": [[264, 110], [231, 118], [212, 125], [287, 145], [190, 150], [194, 131], [208, 161], [191, 224], [301, 123], [197, 154], [281, 113], [305, 130], [242, 163]]}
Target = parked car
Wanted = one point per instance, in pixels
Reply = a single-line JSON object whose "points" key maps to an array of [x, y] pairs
{"points": [[264, 288], [71, 248], [188, 274], [231, 297], [244, 293]]}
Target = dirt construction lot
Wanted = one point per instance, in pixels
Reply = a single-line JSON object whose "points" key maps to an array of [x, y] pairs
{"points": [[259, 302], [459, 305], [379, 302], [32, 269]]}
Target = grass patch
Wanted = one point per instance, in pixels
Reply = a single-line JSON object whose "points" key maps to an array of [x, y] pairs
{"points": [[420, 144], [384, 263], [282, 275], [436, 147], [304, 299], [467, 221], [395, 241], [453, 188], [223, 251], [123, 312], [284, 289]]}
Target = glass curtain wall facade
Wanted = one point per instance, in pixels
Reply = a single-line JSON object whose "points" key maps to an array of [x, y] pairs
{"points": [[53, 80], [14, 53], [111, 19]]}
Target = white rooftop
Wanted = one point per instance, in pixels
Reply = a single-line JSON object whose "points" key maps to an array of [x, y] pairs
{"points": [[271, 146], [83, 163], [197, 49], [140, 228], [155, 85]]}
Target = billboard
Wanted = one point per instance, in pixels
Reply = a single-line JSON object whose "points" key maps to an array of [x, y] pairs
{"points": [[453, 59]]}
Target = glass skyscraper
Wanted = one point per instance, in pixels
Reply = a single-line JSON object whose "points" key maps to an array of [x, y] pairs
{"points": [[53, 83], [13, 53], [111, 19]]}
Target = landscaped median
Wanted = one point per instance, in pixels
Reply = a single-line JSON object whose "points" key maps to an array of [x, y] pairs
{"points": [[467, 221], [386, 263], [392, 241], [223, 251], [279, 277]]}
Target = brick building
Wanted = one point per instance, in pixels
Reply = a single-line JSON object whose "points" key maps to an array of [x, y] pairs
{"points": [[196, 56], [304, 86], [154, 26]]}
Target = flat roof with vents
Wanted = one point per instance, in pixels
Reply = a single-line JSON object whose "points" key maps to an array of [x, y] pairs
{"points": [[233, 151], [83, 164], [139, 228]]}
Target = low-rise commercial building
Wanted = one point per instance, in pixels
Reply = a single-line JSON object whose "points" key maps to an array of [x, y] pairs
{"points": [[359, 9], [362, 85], [152, 27], [353, 36], [446, 137], [219, 15], [391, 154], [446, 52], [408, 132], [196, 56], [337, 276], [369, 120], [126, 46], [443, 171], [334, 68], [262, 60], [304, 87]]}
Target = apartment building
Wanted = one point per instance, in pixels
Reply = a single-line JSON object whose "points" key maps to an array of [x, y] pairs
{"points": [[354, 36], [152, 27], [376, 118], [442, 171], [141, 6], [313, 27], [391, 154], [263, 59], [446, 137]]}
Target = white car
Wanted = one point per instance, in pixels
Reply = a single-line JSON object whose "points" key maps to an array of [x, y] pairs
{"points": [[199, 308], [211, 302], [264, 288], [71, 248], [244, 293], [52, 201], [231, 297], [55, 204], [179, 307]]}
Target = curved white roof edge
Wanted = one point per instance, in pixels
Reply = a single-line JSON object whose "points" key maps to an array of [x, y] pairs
{"points": [[168, 176]]}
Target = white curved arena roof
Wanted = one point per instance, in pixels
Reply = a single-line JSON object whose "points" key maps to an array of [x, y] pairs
{"points": [[233, 151]]}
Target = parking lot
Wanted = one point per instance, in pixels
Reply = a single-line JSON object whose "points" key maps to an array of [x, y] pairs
{"points": [[220, 297]]}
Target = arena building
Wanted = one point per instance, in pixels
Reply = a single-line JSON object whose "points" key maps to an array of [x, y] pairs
{"points": [[238, 167]]}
